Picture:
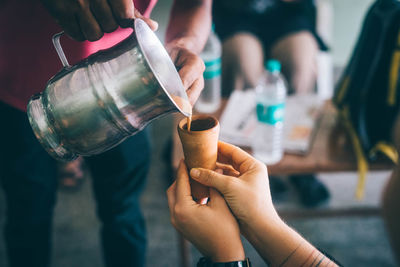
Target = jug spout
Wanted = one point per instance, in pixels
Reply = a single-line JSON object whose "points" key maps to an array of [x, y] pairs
{"points": [[162, 67]]}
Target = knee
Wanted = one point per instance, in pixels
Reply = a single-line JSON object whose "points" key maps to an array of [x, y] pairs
{"points": [[242, 60], [302, 77], [298, 54]]}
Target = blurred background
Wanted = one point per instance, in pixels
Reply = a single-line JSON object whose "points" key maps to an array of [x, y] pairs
{"points": [[353, 241]]}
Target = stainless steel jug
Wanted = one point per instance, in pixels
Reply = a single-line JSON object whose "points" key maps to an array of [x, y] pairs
{"points": [[94, 105]]}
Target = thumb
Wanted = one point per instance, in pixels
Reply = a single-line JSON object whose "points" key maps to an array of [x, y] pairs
{"points": [[211, 179], [152, 24]]}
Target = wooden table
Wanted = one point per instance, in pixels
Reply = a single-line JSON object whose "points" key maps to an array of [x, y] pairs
{"points": [[331, 151]]}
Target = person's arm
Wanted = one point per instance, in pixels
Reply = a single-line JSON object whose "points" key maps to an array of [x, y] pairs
{"points": [[391, 199], [245, 188], [189, 24], [280, 245], [187, 32], [391, 204], [211, 227]]}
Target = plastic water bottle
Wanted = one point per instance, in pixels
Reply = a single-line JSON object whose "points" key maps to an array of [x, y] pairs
{"points": [[210, 97], [270, 98]]}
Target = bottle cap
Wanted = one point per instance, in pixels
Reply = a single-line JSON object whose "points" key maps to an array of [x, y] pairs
{"points": [[273, 65]]}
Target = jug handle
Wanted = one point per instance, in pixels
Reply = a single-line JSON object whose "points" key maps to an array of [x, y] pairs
{"points": [[60, 51]]}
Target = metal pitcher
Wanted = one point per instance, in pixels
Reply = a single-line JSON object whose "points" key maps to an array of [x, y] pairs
{"points": [[92, 106]]}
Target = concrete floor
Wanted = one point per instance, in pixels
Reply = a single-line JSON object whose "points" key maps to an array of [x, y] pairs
{"points": [[355, 241]]}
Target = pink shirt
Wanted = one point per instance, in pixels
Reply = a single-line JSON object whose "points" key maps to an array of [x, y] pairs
{"points": [[27, 56]]}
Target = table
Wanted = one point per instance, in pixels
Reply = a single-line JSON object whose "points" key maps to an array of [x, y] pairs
{"points": [[331, 151]]}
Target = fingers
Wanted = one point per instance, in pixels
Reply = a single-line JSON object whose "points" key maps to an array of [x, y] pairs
{"points": [[239, 159], [123, 10], [212, 179], [89, 26], [227, 169], [71, 27], [103, 14], [195, 90], [90, 19], [173, 53], [191, 67], [183, 192], [152, 24]]}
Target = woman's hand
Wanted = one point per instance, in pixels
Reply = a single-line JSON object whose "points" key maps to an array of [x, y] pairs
{"points": [[211, 227], [245, 188], [244, 185]]}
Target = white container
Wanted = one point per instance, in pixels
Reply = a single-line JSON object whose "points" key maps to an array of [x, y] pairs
{"points": [[271, 91], [210, 98]]}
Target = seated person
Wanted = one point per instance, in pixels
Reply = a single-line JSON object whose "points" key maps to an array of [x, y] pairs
{"points": [[243, 189], [255, 30]]}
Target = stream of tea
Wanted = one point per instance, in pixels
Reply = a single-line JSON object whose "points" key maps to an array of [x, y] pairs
{"points": [[189, 122], [185, 105]]}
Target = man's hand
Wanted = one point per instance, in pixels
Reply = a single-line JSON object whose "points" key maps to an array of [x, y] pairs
{"points": [[187, 32], [211, 227], [90, 19], [190, 67]]}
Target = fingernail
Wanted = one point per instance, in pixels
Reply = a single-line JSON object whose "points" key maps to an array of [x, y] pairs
{"points": [[194, 173]]}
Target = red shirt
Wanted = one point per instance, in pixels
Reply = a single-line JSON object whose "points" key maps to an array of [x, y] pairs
{"points": [[27, 55]]}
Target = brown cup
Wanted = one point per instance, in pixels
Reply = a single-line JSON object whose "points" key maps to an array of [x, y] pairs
{"points": [[200, 147]]}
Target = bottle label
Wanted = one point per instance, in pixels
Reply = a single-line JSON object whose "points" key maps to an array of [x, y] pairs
{"points": [[213, 68], [271, 114]]}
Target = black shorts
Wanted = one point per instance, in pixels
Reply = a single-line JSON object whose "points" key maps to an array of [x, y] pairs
{"points": [[277, 22]]}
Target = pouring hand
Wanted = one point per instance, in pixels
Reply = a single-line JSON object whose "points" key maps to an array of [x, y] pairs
{"points": [[190, 67], [211, 227], [89, 20]]}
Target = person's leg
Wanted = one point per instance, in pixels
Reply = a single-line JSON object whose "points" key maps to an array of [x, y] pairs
{"points": [[118, 179], [242, 67], [242, 62], [297, 53], [28, 176]]}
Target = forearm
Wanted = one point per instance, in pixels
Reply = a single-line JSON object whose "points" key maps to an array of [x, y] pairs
{"points": [[280, 245], [391, 203], [391, 198], [190, 23]]}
